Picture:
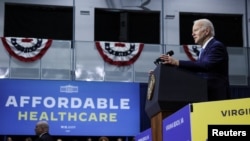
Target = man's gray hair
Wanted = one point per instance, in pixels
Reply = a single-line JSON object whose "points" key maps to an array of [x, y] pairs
{"points": [[206, 23], [44, 125]]}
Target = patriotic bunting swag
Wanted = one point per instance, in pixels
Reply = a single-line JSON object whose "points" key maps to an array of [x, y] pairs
{"points": [[26, 49], [120, 54], [192, 51]]}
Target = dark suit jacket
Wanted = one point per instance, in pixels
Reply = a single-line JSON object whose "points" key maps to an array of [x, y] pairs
{"points": [[45, 137], [213, 66]]}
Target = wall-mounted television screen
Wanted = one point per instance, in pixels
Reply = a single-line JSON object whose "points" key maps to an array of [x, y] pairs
{"points": [[127, 25], [38, 21]]}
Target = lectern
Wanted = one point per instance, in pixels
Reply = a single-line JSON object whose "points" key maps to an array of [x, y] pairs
{"points": [[169, 89]]}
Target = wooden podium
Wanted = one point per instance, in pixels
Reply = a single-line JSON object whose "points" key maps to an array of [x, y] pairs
{"points": [[169, 89]]}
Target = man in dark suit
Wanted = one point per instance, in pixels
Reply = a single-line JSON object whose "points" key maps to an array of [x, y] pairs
{"points": [[42, 131], [212, 63]]}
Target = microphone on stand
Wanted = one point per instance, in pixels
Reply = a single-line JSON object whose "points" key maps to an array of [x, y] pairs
{"points": [[159, 61]]}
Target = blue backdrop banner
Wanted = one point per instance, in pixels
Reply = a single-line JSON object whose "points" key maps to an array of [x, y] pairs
{"points": [[70, 107]]}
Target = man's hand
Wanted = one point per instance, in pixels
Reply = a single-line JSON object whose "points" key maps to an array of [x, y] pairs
{"points": [[169, 60]]}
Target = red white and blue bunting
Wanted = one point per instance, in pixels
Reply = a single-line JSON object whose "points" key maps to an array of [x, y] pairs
{"points": [[119, 53], [26, 49], [192, 51]]}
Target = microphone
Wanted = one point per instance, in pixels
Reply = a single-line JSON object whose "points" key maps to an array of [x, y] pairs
{"points": [[159, 61]]}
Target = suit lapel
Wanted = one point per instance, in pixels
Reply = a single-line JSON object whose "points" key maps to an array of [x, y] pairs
{"points": [[209, 45]]}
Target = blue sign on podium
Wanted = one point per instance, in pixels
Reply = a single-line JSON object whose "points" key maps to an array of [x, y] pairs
{"points": [[144, 136], [176, 127]]}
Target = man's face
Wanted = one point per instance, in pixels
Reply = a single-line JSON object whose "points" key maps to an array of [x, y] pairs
{"points": [[38, 129], [199, 34]]}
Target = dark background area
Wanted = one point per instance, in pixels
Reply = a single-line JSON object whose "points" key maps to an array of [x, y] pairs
{"points": [[38, 21], [228, 28], [127, 26]]}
